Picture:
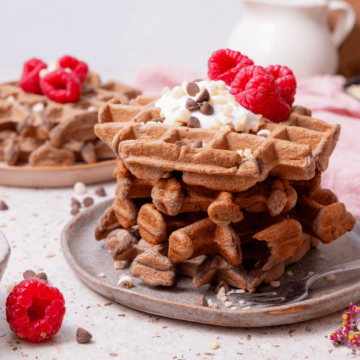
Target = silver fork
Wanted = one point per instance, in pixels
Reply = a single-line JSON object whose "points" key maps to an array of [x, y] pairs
{"points": [[293, 291]]}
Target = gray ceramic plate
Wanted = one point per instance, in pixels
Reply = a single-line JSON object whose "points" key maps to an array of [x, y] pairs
{"points": [[88, 258]]}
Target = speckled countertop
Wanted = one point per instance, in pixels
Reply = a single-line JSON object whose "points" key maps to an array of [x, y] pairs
{"points": [[33, 225]]}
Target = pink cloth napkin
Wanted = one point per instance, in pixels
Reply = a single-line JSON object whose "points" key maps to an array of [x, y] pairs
{"points": [[324, 95]]}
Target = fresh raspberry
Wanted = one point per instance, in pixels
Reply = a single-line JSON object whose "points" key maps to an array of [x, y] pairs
{"points": [[224, 64], [79, 68], [34, 310], [61, 86], [256, 90], [285, 81], [29, 80]]}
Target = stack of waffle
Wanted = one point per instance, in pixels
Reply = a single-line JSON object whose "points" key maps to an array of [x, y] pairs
{"points": [[37, 130], [200, 209]]}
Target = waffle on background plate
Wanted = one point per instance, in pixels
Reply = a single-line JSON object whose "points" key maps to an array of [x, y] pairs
{"points": [[38, 131], [209, 211]]}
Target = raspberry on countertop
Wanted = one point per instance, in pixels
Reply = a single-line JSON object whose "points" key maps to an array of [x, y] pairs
{"points": [[34, 310]]}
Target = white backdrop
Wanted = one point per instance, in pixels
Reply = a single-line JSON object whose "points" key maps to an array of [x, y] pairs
{"points": [[115, 35]]}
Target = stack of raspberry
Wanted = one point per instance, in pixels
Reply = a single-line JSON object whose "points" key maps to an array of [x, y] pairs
{"points": [[268, 91], [61, 83]]}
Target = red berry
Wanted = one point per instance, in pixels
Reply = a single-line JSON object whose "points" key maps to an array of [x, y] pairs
{"points": [[34, 310], [285, 81], [61, 86], [256, 90], [29, 80], [79, 68], [224, 64]]}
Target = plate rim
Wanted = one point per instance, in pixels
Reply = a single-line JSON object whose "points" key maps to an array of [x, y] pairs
{"points": [[56, 168], [271, 310]]}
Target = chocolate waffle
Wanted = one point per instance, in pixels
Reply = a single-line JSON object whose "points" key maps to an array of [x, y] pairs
{"points": [[60, 134], [149, 148], [215, 212]]}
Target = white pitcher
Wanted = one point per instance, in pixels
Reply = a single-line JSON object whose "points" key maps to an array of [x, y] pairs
{"points": [[294, 33]]}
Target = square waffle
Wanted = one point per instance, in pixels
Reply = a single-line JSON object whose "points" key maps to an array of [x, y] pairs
{"points": [[209, 212], [41, 132]]}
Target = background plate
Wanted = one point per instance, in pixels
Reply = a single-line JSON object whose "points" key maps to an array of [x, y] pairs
{"points": [[88, 258], [52, 177]]}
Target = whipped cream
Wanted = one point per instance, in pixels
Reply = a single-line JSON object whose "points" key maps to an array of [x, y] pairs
{"points": [[226, 110]]}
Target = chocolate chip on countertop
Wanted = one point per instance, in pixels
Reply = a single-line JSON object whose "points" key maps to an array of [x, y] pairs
{"points": [[75, 202], [100, 191], [42, 276], [180, 144], [197, 144], [3, 206], [74, 210], [191, 104], [201, 301], [204, 96], [192, 89], [206, 108], [83, 336], [29, 274], [88, 201], [193, 122]]}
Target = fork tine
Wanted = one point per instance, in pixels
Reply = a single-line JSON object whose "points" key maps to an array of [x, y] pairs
{"points": [[267, 299], [252, 295], [265, 303]]}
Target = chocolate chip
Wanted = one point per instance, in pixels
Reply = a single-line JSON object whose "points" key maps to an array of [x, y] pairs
{"points": [[192, 105], [204, 96], [74, 210], [42, 276], [75, 202], [125, 285], [223, 284], [206, 108], [180, 144], [88, 201], [100, 191], [3, 206], [83, 336], [197, 80], [29, 274], [201, 301], [192, 89], [197, 144], [193, 122]]}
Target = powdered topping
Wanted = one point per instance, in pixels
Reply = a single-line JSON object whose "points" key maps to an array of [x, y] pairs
{"points": [[210, 106]]}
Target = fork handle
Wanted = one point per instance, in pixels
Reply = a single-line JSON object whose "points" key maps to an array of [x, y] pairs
{"points": [[333, 270]]}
